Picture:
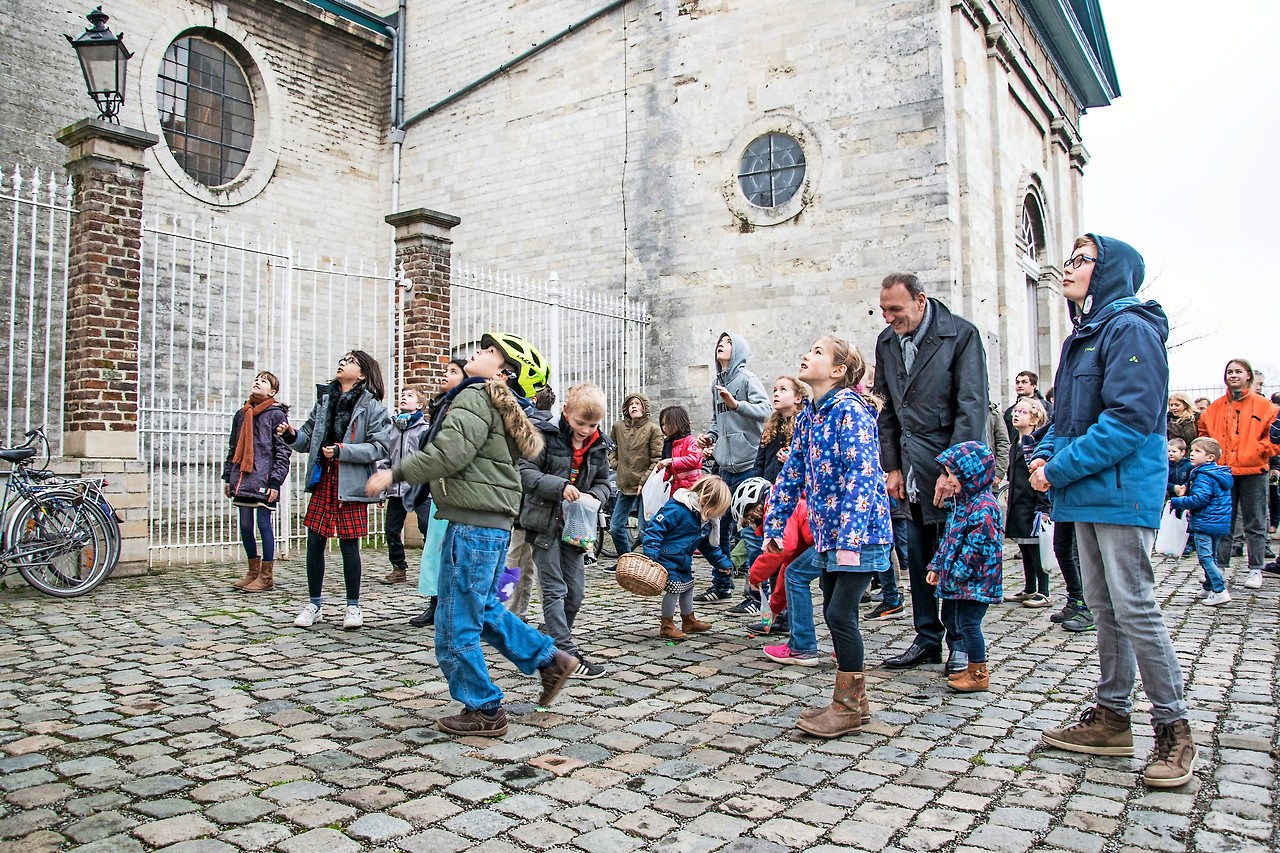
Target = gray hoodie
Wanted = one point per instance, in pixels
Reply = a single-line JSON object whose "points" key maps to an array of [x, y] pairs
{"points": [[737, 431]]}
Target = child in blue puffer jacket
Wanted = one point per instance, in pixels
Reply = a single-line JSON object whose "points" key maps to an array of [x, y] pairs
{"points": [[684, 524], [967, 567], [1207, 496]]}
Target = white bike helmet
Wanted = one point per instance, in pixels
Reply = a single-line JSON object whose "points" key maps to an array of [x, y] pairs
{"points": [[750, 492]]}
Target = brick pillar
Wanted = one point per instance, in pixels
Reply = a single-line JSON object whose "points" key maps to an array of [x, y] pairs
{"points": [[100, 418], [423, 250]]}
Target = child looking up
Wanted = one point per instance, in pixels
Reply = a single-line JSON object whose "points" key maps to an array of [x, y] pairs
{"points": [[637, 450], [686, 523], [967, 568], [410, 426], [1208, 498], [835, 462], [256, 467], [1025, 503]]}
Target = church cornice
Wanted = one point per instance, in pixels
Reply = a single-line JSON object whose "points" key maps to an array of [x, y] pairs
{"points": [[1085, 66]]}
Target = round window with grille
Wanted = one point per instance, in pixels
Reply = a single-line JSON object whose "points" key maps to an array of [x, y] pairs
{"points": [[771, 170]]}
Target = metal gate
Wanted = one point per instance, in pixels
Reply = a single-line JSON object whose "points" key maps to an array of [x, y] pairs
{"points": [[217, 307]]}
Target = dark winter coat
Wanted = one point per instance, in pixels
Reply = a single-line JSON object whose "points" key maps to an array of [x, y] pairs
{"points": [[544, 477], [1108, 459], [675, 532], [767, 464], [364, 439], [1179, 475], [1187, 429], [970, 558], [941, 404], [270, 456], [1208, 498], [1024, 501]]}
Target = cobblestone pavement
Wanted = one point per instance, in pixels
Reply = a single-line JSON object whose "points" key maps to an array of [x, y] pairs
{"points": [[169, 712]]}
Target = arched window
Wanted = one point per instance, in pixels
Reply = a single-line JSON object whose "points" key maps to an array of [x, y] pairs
{"points": [[1031, 257]]}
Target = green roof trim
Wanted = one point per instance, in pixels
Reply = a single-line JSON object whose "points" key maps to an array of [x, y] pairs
{"points": [[1073, 33], [355, 14]]}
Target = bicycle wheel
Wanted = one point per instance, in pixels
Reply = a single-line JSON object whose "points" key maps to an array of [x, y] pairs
{"points": [[103, 515], [58, 548]]}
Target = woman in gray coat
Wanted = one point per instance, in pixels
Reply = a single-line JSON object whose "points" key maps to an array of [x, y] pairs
{"points": [[348, 431]]}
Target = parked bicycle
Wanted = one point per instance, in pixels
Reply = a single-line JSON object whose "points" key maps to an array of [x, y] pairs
{"points": [[61, 534]]}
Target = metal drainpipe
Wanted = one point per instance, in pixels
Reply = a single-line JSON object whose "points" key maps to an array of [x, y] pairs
{"points": [[507, 66]]}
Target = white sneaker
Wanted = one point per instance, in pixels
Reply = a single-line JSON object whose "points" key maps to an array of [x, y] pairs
{"points": [[353, 619], [1202, 593], [310, 615], [1213, 599], [1254, 581]]}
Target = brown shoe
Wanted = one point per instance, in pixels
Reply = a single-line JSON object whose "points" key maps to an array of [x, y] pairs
{"points": [[264, 582], [844, 715], [398, 575], [254, 564], [690, 624], [1100, 731], [554, 675], [1173, 760], [864, 706], [669, 631], [475, 724], [975, 679]]}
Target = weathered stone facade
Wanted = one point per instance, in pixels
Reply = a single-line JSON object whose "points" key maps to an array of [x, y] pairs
{"points": [[611, 157]]}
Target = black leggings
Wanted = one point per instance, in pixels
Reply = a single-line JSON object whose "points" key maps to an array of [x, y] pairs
{"points": [[315, 565], [263, 516], [841, 597], [1033, 569]]}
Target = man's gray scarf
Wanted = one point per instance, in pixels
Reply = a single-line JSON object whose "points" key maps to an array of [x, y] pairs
{"points": [[909, 350]]}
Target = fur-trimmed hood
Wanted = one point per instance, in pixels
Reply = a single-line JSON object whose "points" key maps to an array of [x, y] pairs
{"points": [[519, 428]]}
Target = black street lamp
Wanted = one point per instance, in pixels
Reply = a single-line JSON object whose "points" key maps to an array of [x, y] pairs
{"points": [[104, 60]]}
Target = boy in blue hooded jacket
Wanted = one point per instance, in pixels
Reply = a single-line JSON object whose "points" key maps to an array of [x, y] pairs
{"points": [[1207, 496], [1107, 463]]}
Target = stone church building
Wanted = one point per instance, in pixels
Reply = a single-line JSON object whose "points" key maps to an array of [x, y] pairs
{"points": [[739, 164]]}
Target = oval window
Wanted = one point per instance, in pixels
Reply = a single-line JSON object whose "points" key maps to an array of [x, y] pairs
{"points": [[206, 110]]}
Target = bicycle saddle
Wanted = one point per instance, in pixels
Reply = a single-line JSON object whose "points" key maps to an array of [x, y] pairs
{"points": [[17, 454]]}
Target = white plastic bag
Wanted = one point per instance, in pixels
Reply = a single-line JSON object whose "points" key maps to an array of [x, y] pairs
{"points": [[581, 522], [655, 492], [1044, 530], [1171, 539]]}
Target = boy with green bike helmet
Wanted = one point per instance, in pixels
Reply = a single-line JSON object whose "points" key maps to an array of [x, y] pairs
{"points": [[526, 369]]}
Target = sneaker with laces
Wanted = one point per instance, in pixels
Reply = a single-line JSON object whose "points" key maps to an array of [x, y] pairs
{"points": [[1213, 599], [1038, 599], [1082, 621], [884, 611], [587, 670], [1173, 759], [784, 654], [475, 724], [713, 595], [1068, 610], [1100, 731], [1202, 594], [310, 615], [1253, 581], [746, 607], [353, 618], [770, 625]]}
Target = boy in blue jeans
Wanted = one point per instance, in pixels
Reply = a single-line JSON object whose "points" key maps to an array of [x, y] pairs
{"points": [[470, 463], [1207, 496]]}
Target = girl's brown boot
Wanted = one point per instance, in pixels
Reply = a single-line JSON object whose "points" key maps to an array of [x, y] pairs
{"points": [[844, 715], [264, 582], [975, 679], [669, 630], [692, 625], [254, 565]]}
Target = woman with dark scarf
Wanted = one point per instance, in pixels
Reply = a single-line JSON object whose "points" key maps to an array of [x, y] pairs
{"points": [[348, 431]]}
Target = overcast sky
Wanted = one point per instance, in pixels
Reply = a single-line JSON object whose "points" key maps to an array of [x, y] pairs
{"points": [[1184, 168]]}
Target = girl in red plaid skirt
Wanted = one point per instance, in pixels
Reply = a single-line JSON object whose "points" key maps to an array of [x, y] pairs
{"points": [[348, 431]]}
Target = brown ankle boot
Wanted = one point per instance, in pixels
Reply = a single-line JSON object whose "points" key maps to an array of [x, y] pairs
{"points": [[669, 630], [864, 706], [398, 575], [254, 564], [692, 625], [844, 714], [264, 582], [975, 679]]}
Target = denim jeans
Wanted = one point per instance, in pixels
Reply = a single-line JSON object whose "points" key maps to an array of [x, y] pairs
{"points": [[1206, 547], [468, 611], [798, 577], [966, 621], [623, 507], [1119, 587], [842, 591], [754, 542], [729, 535]]}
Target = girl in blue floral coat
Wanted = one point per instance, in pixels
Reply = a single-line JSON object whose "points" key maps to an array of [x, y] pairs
{"points": [[968, 565], [835, 461]]}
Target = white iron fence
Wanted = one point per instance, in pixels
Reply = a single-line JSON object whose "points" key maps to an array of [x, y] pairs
{"points": [[585, 336], [217, 308], [35, 223]]}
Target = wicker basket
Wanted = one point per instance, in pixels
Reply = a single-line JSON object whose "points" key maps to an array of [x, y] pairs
{"points": [[637, 573]]}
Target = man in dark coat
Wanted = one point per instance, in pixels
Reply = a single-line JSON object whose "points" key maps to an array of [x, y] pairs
{"points": [[931, 371]]}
